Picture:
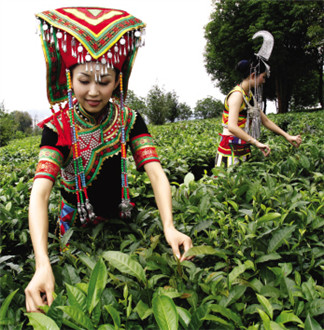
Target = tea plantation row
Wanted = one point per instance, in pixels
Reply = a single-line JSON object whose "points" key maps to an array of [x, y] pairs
{"points": [[257, 231]]}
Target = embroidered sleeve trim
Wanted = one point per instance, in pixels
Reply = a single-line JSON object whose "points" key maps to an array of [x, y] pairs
{"points": [[143, 150], [50, 161]]}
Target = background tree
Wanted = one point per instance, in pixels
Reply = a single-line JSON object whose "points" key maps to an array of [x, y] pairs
{"points": [[172, 104], [135, 102], [23, 120], [208, 107], [175, 109], [8, 126], [185, 111], [293, 60], [315, 32], [156, 109], [162, 107]]}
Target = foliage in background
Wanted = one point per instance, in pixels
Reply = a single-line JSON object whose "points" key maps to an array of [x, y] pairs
{"points": [[15, 125], [208, 107], [297, 58], [160, 106], [7, 126], [176, 110], [156, 110], [135, 102], [257, 230]]}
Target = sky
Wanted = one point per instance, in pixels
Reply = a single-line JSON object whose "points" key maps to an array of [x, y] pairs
{"points": [[172, 57]]}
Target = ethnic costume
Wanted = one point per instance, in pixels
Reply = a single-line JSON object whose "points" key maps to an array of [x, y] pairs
{"points": [[90, 151], [101, 157], [231, 149]]}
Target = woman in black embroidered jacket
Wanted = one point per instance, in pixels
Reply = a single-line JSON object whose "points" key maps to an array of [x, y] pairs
{"points": [[89, 54]]}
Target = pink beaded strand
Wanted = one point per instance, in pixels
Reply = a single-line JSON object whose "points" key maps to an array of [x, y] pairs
{"points": [[85, 209], [125, 206]]}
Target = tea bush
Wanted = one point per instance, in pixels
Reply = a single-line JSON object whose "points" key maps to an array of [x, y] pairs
{"points": [[257, 231]]}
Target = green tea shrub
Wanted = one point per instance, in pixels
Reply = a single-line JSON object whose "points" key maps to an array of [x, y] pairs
{"points": [[257, 230]]}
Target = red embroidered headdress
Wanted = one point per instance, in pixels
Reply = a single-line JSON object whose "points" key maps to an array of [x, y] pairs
{"points": [[101, 37]]}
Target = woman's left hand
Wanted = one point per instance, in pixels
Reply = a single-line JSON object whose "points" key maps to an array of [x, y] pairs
{"points": [[294, 140], [176, 239]]}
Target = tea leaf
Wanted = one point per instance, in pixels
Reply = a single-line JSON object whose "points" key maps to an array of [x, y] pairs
{"points": [[77, 298], [5, 304], [265, 319], [197, 317], [97, 284], [217, 319], [311, 324], [65, 238], [8, 206], [276, 326], [226, 312], [238, 270], [235, 293], [143, 310], [234, 205], [279, 237], [87, 261], [286, 316], [201, 226], [55, 313], [188, 178], [267, 257], [106, 327], [266, 305], [316, 307], [77, 316], [40, 321], [184, 316], [205, 249], [304, 162], [308, 289], [114, 315], [125, 264], [269, 217], [289, 285], [165, 312]]}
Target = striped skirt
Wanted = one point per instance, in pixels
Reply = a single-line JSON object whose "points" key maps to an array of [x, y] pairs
{"points": [[231, 151]]}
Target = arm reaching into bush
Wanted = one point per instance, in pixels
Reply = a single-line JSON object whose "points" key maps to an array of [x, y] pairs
{"points": [[162, 193], [40, 289]]}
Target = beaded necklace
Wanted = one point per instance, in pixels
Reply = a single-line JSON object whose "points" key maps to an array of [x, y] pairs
{"points": [[84, 206], [125, 206]]}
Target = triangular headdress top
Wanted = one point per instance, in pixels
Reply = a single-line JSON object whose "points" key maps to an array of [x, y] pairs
{"points": [[75, 35]]}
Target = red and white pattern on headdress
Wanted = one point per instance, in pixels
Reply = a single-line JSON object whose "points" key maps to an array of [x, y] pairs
{"points": [[101, 38]]}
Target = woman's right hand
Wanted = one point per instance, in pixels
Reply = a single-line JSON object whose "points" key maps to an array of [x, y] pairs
{"points": [[263, 147], [39, 291]]}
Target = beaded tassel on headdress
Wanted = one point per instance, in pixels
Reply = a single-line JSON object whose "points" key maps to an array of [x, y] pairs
{"points": [[85, 209], [125, 206]]}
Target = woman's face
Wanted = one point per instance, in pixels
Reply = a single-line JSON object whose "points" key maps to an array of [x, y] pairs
{"points": [[93, 95], [261, 78]]}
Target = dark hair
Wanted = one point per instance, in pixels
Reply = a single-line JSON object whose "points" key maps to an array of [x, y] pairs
{"points": [[246, 67]]}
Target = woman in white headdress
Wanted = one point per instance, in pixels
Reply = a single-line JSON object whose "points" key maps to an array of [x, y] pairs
{"points": [[242, 116]]}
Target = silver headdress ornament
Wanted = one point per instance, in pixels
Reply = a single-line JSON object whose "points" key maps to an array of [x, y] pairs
{"points": [[265, 51], [267, 45], [253, 119]]}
